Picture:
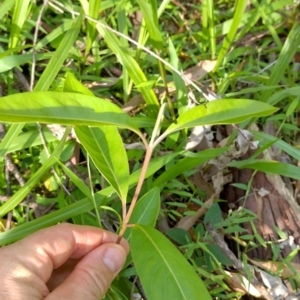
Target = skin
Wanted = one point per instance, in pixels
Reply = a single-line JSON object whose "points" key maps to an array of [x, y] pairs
{"points": [[61, 262]]}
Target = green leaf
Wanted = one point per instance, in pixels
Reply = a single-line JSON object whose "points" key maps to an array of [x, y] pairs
{"points": [[178, 81], [105, 147], [63, 108], [208, 10], [214, 214], [26, 139], [34, 179], [131, 65], [14, 50], [268, 19], [219, 255], [77, 181], [94, 9], [5, 7], [179, 235], [222, 111], [55, 33], [274, 167], [61, 53], [159, 264], [287, 53], [282, 145], [9, 138], [145, 211], [9, 62], [228, 40], [147, 208], [18, 19], [71, 84], [80, 207], [49, 73], [149, 11], [60, 215], [187, 163]]}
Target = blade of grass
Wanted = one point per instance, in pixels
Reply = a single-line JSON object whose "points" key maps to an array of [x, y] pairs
{"points": [[211, 27], [128, 62], [273, 167], [149, 10], [29, 139], [55, 33], [9, 62], [123, 28], [18, 19], [134, 70], [34, 179], [10, 136], [5, 7], [94, 8], [282, 145], [267, 17], [204, 20], [287, 53], [228, 40], [60, 56]]}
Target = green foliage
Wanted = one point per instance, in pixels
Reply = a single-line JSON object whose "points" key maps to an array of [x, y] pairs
{"points": [[136, 163], [105, 147], [173, 276]]}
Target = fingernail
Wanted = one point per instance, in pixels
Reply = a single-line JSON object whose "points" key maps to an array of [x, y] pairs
{"points": [[114, 258]]}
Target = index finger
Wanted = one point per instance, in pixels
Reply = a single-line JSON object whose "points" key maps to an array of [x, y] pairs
{"points": [[50, 248]]}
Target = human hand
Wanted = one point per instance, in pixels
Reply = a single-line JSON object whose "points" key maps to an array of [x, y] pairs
{"points": [[61, 262]]}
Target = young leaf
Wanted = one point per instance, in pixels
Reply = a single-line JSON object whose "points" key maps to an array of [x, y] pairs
{"points": [[147, 208], [105, 147], [63, 108], [145, 211], [222, 111], [159, 264]]}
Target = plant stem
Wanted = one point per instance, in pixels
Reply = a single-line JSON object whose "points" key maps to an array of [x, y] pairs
{"points": [[137, 191]]}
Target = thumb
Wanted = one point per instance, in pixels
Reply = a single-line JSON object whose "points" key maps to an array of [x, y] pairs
{"points": [[92, 275]]}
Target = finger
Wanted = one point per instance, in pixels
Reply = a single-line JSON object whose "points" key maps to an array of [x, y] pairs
{"points": [[49, 248], [92, 275], [60, 274]]}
